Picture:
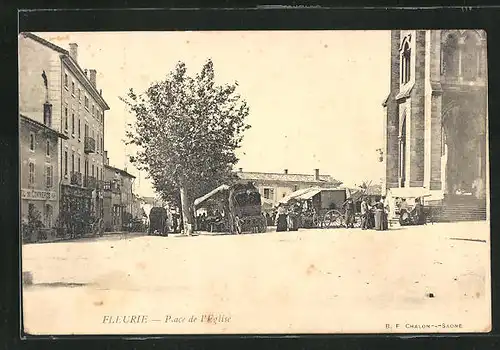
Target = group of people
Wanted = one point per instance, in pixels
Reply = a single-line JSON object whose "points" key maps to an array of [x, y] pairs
{"points": [[372, 216], [214, 220], [287, 219], [410, 215]]}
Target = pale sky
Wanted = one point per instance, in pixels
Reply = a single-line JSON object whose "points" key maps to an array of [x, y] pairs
{"points": [[315, 97]]}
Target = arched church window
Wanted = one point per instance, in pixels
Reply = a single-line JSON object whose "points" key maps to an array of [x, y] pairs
{"points": [[450, 55], [470, 57], [406, 63]]}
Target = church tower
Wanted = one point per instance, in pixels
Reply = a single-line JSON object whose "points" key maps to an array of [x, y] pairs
{"points": [[436, 115]]}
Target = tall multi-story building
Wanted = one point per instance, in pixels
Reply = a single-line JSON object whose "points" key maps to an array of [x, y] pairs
{"points": [[56, 91], [436, 117]]}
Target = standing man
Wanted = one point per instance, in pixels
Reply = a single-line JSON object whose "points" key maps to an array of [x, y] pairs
{"points": [[349, 212], [364, 214]]}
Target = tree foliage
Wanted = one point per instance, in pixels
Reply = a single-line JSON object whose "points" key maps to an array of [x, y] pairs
{"points": [[186, 131]]}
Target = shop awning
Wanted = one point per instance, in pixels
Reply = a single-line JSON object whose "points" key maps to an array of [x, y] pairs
{"points": [[309, 194], [409, 192], [295, 195], [200, 200]]}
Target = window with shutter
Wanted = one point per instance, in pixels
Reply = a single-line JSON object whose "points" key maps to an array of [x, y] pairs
{"points": [[31, 178], [48, 176]]}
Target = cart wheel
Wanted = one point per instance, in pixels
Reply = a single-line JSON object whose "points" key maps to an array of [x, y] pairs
{"points": [[337, 220], [328, 219]]}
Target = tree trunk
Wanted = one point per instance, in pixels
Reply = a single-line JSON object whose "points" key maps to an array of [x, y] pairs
{"points": [[188, 228]]}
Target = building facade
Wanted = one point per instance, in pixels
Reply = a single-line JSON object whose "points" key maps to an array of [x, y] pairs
{"points": [[119, 201], [274, 186], [436, 115], [51, 79], [39, 147]]}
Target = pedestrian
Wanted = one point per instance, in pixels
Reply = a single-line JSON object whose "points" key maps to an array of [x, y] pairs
{"points": [[174, 223], [204, 222], [418, 213], [378, 216], [385, 214], [281, 219], [349, 209], [364, 214], [404, 213]]}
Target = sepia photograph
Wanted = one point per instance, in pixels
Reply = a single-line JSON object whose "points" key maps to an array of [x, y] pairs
{"points": [[254, 182]]}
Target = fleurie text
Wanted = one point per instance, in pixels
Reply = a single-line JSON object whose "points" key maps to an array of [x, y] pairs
{"points": [[125, 319]]}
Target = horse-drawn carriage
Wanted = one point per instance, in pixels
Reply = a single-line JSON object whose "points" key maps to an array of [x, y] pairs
{"points": [[414, 211], [320, 207], [238, 209], [158, 221]]}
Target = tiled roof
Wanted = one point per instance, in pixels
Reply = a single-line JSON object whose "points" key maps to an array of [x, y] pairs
{"points": [[43, 126], [285, 177], [45, 42], [69, 59], [121, 171]]}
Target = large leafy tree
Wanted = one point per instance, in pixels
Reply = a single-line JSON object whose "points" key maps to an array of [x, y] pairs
{"points": [[187, 130]]}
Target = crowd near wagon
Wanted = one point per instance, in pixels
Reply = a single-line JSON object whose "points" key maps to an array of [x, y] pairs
{"points": [[317, 207], [235, 209]]}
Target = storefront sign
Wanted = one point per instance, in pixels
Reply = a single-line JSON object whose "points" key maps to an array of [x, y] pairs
{"points": [[32, 194]]}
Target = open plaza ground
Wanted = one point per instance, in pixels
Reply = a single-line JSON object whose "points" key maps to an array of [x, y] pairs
{"points": [[432, 278]]}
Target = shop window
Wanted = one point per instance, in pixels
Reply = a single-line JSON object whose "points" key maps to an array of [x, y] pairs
{"points": [[31, 210], [48, 215]]}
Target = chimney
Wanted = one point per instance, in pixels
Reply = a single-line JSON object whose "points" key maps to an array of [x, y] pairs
{"points": [[86, 75], [285, 171], [106, 159], [73, 51], [93, 74], [100, 92], [316, 174], [241, 170]]}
